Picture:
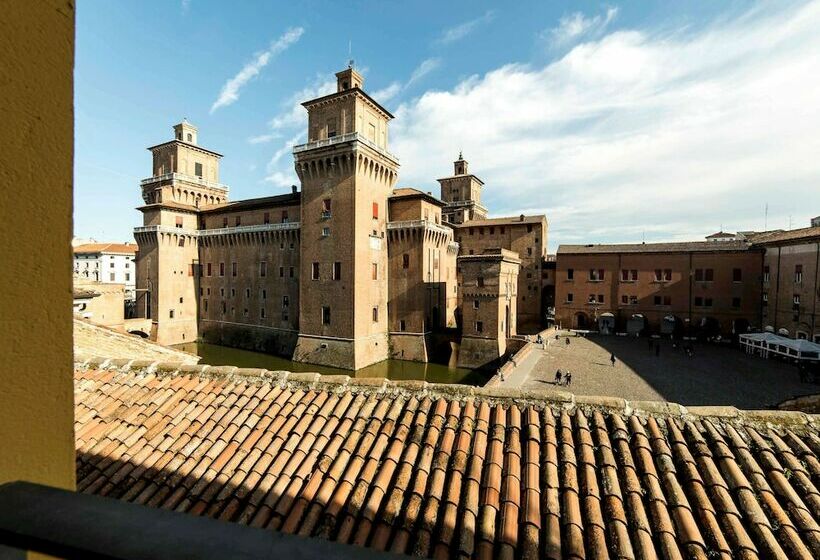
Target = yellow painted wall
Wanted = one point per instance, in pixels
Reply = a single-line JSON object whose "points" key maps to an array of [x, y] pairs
{"points": [[36, 159]]}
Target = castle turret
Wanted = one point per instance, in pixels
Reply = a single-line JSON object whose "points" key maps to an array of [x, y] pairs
{"points": [[347, 174], [461, 194]]}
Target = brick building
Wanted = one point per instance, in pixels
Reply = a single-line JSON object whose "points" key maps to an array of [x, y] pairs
{"points": [[706, 287], [345, 272], [791, 282]]}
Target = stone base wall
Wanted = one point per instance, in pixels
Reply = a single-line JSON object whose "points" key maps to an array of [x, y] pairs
{"points": [[249, 337], [409, 346], [342, 353], [478, 353], [176, 331]]}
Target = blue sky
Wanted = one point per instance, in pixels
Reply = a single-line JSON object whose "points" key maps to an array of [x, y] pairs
{"points": [[620, 121]]}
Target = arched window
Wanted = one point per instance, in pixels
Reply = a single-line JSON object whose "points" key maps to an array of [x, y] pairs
{"points": [[190, 137]]}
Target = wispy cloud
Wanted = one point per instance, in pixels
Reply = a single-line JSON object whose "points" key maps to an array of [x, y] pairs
{"points": [[185, 5], [575, 26], [280, 179], [387, 93], [668, 131], [230, 91], [422, 70], [262, 138], [458, 32]]}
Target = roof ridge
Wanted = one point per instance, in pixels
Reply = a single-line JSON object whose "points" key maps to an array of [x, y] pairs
{"points": [[496, 395]]}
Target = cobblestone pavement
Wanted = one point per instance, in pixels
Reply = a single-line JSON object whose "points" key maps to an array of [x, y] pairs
{"points": [[713, 376]]}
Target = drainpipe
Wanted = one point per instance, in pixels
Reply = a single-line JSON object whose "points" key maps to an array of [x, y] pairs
{"points": [[777, 289], [816, 293]]}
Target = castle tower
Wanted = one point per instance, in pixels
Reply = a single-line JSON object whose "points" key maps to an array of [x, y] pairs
{"points": [[347, 175], [185, 178], [461, 194]]}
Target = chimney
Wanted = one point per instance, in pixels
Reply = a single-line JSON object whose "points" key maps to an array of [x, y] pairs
{"points": [[293, 189], [521, 218]]}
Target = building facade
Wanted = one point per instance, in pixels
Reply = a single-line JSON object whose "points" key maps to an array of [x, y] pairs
{"points": [[107, 263], [709, 287], [791, 282], [344, 272]]}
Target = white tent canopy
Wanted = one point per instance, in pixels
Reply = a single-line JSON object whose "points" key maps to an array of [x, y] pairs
{"points": [[766, 342]]}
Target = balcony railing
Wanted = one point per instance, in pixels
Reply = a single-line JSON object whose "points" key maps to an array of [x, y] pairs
{"points": [[460, 203], [70, 525], [419, 224], [183, 177], [341, 139], [219, 231]]}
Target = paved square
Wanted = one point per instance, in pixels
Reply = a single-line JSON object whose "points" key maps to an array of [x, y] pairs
{"points": [[714, 375]]}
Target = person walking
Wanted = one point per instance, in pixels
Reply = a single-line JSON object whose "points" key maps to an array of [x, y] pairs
{"points": [[558, 377], [567, 340], [568, 379], [612, 359]]}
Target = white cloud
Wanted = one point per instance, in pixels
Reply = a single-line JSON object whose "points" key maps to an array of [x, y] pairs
{"points": [[285, 149], [230, 91], [293, 113], [665, 133], [279, 179], [185, 5], [577, 25], [460, 31], [422, 70], [386, 94], [262, 138]]}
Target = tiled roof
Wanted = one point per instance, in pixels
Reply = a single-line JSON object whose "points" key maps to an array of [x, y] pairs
{"points": [[126, 248], [97, 340], [252, 203], [408, 192], [507, 220], [786, 235], [450, 471], [675, 247]]}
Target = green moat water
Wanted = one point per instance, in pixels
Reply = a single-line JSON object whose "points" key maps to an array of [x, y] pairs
{"points": [[216, 355]]}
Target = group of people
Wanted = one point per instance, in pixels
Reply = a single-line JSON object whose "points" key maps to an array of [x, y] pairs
{"points": [[562, 378]]}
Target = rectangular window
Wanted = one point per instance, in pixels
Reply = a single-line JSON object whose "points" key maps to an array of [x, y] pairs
{"points": [[262, 312], [479, 326], [238, 221], [127, 277], [179, 221], [628, 275], [263, 269], [171, 313], [325, 232], [290, 272], [326, 208], [405, 261], [402, 325], [205, 302], [736, 302], [247, 293], [476, 304], [698, 301], [233, 292], [266, 218], [796, 301], [707, 302], [233, 269], [285, 302], [281, 272], [480, 282], [111, 277], [663, 275], [570, 273], [765, 299], [111, 265], [569, 298], [600, 298], [314, 271], [766, 274], [798, 273], [633, 300], [698, 275], [375, 314], [225, 222], [264, 294], [596, 274], [198, 169], [709, 275], [375, 271], [737, 275], [285, 218], [375, 210], [657, 300], [325, 315], [337, 271], [222, 269]]}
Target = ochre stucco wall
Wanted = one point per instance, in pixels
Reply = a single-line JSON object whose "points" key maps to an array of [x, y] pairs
{"points": [[36, 159]]}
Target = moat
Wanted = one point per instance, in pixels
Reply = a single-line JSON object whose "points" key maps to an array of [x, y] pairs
{"points": [[216, 355]]}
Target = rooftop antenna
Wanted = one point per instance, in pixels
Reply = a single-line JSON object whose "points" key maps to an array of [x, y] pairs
{"points": [[350, 53], [766, 217]]}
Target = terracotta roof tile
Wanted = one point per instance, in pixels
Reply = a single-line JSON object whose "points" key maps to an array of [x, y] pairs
{"points": [[443, 476]]}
